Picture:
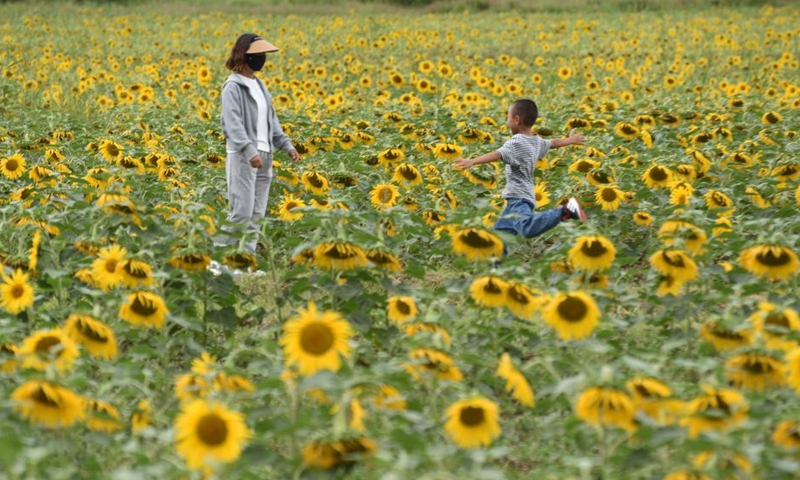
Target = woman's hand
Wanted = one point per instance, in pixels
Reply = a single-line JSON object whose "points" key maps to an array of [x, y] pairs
{"points": [[295, 156]]}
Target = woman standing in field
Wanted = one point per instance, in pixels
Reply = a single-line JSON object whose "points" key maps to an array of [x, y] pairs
{"points": [[252, 134]]}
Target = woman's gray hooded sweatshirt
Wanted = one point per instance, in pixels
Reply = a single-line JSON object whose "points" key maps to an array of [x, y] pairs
{"points": [[239, 122]]}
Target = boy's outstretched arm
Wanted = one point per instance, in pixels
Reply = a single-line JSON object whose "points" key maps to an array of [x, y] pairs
{"points": [[575, 138], [470, 162]]}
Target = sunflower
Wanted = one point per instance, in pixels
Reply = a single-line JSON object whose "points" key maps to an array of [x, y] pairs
{"points": [[754, 371], [694, 237], [144, 309], [584, 165], [101, 416], [653, 398], [16, 294], [714, 409], [686, 475], [241, 260], [389, 398], [191, 262], [412, 329], [771, 118], [346, 452], [727, 461], [339, 256], [473, 422], [384, 196], [657, 176], [489, 291], [390, 156], [432, 217], [8, 358], [48, 348], [432, 361], [384, 260], [674, 263], [447, 151], [48, 404], [776, 325], [724, 339], [515, 381], [522, 301], [287, 210], [315, 182], [574, 315], [315, 341], [95, 336], [408, 174], [477, 244], [12, 167], [720, 202], [105, 269], [110, 150], [135, 273], [609, 197], [626, 130], [792, 369], [774, 262], [606, 407], [592, 253], [642, 219], [787, 434], [208, 431], [401, 309]]}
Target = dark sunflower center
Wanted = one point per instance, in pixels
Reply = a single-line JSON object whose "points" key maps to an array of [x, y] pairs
{"points": [[722, 404], [778, 320], [572, 309], [392, 155], [134, 270], [673, 259], [87, 331], [475, 240], [408, 173], [143, 306], [517, 295], [315, 180], [757, 366], [12, 164], [584, 167], [492, 288], [41, 397], [44, 345], [112, 150], [379, 258], [628, 129], [123, 209], [602, 177], [658, 174], [643, 391], [340, 252], [403, 307], [212, 430], [316, 339], [770, 259], [17, 291], [472, 416], [593, 248]]}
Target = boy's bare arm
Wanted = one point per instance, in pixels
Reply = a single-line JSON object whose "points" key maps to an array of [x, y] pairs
{"points": [[470, 162], [575, 138]]}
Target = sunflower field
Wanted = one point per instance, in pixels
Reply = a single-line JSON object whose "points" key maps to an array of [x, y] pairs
{"points": [[379, 332]]}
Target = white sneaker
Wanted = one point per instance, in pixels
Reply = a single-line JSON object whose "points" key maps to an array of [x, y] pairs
{"points": [[573, 206]]}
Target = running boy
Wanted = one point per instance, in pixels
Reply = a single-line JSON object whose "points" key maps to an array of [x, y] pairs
{"points": [[520, 154]]}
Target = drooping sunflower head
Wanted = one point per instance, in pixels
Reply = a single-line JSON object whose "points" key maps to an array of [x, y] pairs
{"points": [[774, 262], [315, 182], [145, 309], [339, 256], [755, 371], [657, 176], [135, 273], [48, 404], [477, 244], [407, 174], [384, 260], [48, 348], [592, 253], [605, 406], [723, 338], [489, 291], [522, 301], [95, 336], [191, 262]]}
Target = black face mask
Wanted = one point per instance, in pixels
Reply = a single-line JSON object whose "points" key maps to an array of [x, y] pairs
{"points": [[255, 60]]}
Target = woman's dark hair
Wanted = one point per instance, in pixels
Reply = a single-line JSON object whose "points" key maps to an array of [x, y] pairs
{"points": [[527, 111], [235, 61]]}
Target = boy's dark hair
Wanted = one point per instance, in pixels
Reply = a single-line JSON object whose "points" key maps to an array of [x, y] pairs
{"points": [[236, 59], [527, 111]]}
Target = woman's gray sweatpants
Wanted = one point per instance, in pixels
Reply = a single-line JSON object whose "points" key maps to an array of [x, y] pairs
{"points": [[248, 192]]}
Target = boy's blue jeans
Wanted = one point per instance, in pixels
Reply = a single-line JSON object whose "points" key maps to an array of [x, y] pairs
{"points": [[519, 218]]}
